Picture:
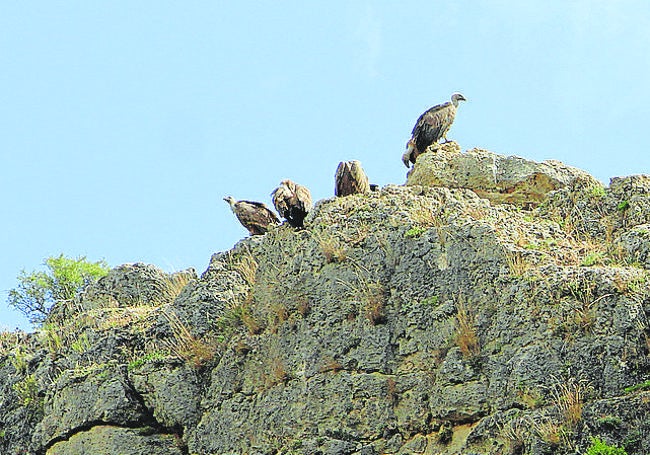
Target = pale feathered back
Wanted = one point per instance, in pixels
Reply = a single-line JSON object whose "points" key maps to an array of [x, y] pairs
{"points": [[350, 179], [292, 201]]}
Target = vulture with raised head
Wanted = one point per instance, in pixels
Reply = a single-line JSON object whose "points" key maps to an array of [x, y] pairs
{"points": [[292, 201], [431, 127], [254, 216], [351, 179]]}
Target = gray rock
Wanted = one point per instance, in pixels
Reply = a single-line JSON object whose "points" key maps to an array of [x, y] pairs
{"points": [[123, 441], [81, 399], [499, 179], [415, 319]]}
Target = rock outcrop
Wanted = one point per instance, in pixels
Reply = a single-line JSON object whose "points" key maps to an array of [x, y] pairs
{"points": [[443, 317], [499, 179]]}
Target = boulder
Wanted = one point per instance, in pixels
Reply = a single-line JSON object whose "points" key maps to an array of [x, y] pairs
{"points": [[499, 179]]}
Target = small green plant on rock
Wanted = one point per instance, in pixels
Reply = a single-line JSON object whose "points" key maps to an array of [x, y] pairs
{"points": [[593, 258], [642, 386], [151, 357], [600, 447], [597, 192], [531, 398], [9, 341], [53, 337], [430, 301], [610, 421], [414, 232]]}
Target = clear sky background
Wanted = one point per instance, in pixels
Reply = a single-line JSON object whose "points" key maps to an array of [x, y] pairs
{"points": [[123, 124]]}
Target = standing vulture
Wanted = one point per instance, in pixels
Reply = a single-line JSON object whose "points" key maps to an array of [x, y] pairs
{"points": [[292, 201], [350, 179], [254, 216], [430, 127]]}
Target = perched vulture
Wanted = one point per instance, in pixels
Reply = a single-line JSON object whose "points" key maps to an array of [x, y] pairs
{"points": [[430, 127], [292, 201], [254, 216], [350, 179]]}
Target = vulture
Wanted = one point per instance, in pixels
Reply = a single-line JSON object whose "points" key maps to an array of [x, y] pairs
{"points": [[430, 127], [254, 216], [292, 201], [350, 179]]}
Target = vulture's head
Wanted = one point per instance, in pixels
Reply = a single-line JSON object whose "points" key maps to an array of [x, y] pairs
{"points": [[289, 184], [456, 97], [408, 154]]}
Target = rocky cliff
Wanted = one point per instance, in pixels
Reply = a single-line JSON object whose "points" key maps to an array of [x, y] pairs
{"points": [[491, 305]]}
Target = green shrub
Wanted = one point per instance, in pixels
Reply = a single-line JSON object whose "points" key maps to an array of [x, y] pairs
{"points": [[600, 447], [37, 291]]}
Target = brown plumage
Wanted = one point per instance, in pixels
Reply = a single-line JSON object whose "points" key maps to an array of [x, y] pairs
{"points": [[350, 179], [431, 127], [292, 201], [254, 216]]}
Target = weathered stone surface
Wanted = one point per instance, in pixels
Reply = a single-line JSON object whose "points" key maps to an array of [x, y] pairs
{"points": [[500, 179], [636, 243], [170, 391], [415, 319], [81, 399], [104, 439]]}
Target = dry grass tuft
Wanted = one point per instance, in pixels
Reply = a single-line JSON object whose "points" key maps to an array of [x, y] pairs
{"points": [[174, 285], [517, 264], [331, 247], [586, 312], [330, 364], [551, 432], [466, 337], [424, 216], [569, 397], [371, 295], [277, 372], [184, 345], [246, 266]]}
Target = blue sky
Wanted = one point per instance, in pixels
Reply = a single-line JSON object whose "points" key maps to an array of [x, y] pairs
{"points": [[124, 124]]}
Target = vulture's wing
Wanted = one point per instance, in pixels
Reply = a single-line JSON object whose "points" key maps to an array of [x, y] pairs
{"points": [[303, 198], [351, 179], [280, 197], [433, 124], [255, 213]]}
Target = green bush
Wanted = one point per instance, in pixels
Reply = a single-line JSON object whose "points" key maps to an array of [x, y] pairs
{"points": [[600, 447], [65, 277]]}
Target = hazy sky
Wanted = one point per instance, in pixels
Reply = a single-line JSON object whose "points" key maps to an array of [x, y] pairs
{"points": [[123, 124]]}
